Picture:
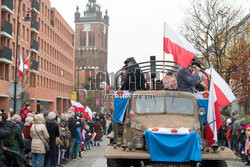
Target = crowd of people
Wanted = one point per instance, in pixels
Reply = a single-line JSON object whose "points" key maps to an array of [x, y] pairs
{"points": [[235, 134], [51, 139]]}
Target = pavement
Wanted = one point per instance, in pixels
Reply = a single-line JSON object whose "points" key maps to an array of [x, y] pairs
{"points": [[95, 158]]}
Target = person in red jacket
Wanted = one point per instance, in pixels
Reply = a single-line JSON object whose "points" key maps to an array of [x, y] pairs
{"points": [[24, 111], [27, 139], [228, 136]]}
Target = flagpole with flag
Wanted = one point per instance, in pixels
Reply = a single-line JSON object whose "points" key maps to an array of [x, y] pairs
{"points": [[183, 52], [21, 66], [221, 95], [26, 63]]}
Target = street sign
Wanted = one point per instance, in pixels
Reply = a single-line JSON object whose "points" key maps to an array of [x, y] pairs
{"points": [[11, 88], [74, 95]]}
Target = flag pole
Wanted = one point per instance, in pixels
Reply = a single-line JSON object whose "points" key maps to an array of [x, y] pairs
{"points": [[163, 72]]}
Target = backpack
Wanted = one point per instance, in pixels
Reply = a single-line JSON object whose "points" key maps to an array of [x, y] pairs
{"points": [[9, 141]]}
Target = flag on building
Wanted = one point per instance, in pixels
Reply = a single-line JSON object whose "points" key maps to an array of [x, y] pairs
{"points": [[26, 63], [21, 66], [173, 43], [61, 73], [221, 95]]}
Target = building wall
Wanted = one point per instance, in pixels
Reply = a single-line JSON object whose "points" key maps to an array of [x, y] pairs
{"points": [[52, 82]]}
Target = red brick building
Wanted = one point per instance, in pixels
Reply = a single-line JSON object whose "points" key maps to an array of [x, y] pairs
{"points": [[50, 41], [91, 39]]}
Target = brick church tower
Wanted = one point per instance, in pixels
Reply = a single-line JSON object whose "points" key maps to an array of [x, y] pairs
{"points": [[91, 37]]}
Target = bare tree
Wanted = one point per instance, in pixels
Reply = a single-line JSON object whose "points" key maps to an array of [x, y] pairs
{"points": [[210, 25]]}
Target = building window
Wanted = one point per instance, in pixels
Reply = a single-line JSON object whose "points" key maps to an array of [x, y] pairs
{"points": [[23, 37], [14, 26], [23, 10], [27, 35]]}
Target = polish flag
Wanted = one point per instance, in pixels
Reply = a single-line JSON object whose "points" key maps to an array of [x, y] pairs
{"points": [[221, 95], [77, 106], [21, 66], [26, 63], [61, 73], [173, 43], [88, 113]]}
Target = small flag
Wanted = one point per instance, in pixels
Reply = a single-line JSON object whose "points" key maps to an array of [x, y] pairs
{"points": [[21, 66], [26, 63]]}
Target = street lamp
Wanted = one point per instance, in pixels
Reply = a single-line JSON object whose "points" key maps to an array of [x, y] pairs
{"points": [[27, 18]]}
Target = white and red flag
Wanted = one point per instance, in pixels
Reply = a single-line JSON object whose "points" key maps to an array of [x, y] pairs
{"points": [[88, 113], [221, 95], [21, 66], [26, 63], [78, 106], [173, 43]]}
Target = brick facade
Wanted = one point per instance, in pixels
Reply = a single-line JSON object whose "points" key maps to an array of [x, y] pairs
{"points": [[50, 42], [92, 37]]}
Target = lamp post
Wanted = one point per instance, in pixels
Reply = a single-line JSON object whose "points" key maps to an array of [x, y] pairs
{"points": [[27, 19]]}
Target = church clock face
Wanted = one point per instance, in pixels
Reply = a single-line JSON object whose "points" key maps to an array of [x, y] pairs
{"points": [[86, 27]]}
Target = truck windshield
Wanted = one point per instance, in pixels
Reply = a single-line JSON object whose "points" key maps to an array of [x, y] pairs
{"points": [[179, 105], [151, 105]]}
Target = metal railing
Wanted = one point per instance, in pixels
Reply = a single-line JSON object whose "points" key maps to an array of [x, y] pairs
{"points": [[6, 27], [8, 3], [36, 5], [34, 65], [35, 25], [34, 45], [5, 52]]}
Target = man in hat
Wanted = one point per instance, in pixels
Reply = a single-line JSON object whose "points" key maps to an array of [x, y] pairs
{"points": [[134, 79], [187, 78]]}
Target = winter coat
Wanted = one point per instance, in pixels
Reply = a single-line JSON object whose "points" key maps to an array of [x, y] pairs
{"points": [[72, 127], [235, 125], [18, 139], [228, 136], [247, 146], [134, 80], [37, 145], [23, 113], [98, 130], [53, 131], [185, 80], [5, 131], [78, 137], [26, 131]]}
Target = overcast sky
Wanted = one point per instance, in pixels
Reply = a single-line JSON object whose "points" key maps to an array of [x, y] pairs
{"points": [[136, 26]]}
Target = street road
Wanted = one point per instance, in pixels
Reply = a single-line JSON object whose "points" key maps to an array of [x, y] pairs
{"points": [[95, 158], [92, 158]]}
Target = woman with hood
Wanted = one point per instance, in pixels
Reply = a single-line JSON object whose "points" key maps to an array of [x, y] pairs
{"points": [[18, 145], [26, 133], [39, 135], [53, 130]]}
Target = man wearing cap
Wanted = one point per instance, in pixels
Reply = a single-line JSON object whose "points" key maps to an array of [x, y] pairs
{"points": [[187, 78], [134, 79]]}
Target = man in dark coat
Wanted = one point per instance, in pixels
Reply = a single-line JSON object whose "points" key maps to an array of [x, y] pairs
{"points": [[98, 131], [5, 131], [53, 131], [187, 78], [134, 79], [73, 132]]}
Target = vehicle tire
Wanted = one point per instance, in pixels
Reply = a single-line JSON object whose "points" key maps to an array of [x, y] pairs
{"points": [[114, 162], [214, 163]]}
